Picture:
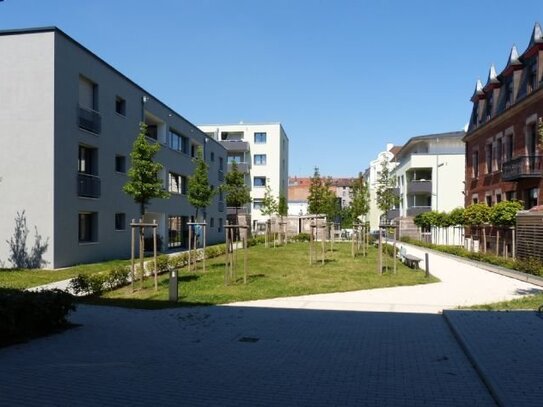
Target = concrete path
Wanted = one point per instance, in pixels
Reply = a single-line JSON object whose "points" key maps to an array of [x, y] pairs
{"points": [[461, 285], [233, 356]]}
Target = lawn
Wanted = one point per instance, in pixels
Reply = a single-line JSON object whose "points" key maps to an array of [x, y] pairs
{"points": [[529, 302], [10, 278], [272, 272]]}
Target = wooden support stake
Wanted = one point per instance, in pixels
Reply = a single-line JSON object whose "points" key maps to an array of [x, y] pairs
{"points": [[154, 256], [132, 250]]}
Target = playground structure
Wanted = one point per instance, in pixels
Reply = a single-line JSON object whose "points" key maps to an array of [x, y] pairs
{"points": [[140, 225], [199, 229], [231, 252]]}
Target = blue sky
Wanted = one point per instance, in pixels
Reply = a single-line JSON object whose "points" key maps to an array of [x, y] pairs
{"points": [[343, 76]]}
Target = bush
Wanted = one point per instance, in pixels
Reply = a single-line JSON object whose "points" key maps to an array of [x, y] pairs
{"points": [[256, 240], [301, 237], [96, 284], [163, 265], [179, 260], [117, 277], [531, 265], [26, 314]]}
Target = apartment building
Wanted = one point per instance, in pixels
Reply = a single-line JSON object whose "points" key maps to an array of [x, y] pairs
{"points": [[69, 120], [261, 153], [503, 149], [430, 174], [371, 177]]}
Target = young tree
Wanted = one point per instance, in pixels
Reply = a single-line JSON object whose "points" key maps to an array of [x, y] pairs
{"points": [[200, 192], [282, 208], [143, 181], [360, 198], [237, 191], [476, 215], [268, 208], [386, 197], [321, 199], [504, 215]]}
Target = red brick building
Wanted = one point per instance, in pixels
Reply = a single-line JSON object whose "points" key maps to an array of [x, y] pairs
{"points": [[503, 150]]}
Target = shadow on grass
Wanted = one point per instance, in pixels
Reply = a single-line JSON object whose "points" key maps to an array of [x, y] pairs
{"points": [[250, 278], [140, 303]]}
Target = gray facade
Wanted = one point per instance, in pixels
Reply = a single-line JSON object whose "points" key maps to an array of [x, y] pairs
{"points": [[69, 121]]}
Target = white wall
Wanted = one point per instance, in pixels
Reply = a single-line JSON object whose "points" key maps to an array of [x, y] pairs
{"points": [[26, 153]]}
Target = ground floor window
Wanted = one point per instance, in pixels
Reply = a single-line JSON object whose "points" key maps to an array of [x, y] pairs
{"points": [[532, 195], [88, 227], [175, 231], [120, 221]]}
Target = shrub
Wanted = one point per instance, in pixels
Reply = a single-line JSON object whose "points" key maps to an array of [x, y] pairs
{"points": [[531, 265], [80, 284], [256, 241], [117, 277], [179, 260], [163, 264], [26, 314], [301, 237]]}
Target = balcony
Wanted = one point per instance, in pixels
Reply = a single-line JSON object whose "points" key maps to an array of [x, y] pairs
{"points": [[416, 210], [235, 145], [221, 175], [419, 187], [221, 206], [242, 167], [393, 214], [528, 166], [88, 186], [89, 120]]}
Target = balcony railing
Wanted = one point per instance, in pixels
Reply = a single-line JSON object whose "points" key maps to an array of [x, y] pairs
{"points": [[88, 186], [419, 187], [235, 145], [393, 214], [242, 167], [528, 166], [415, 210], [89, 120]]}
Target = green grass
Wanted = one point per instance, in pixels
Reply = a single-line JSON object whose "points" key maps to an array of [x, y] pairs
{"points": [[10, 278], [532, 302], [272, 272]]}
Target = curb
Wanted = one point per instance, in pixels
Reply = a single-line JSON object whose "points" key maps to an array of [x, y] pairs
{"points": [[494, 390]]}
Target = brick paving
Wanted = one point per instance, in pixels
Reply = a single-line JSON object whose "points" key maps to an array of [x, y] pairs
{"points": [[194, 357], [507, 348]]}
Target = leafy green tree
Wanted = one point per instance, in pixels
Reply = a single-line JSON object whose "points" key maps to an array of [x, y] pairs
{"points": [[200, 192], [237, 191], [360, 198], [476, 214], [321, 199], [144, 183], [504, 213], [386, 196], [457, 217], [282, 207], [269, 203]]}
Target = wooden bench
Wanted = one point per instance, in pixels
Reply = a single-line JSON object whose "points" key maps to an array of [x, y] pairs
{"points": [[412, 261]]}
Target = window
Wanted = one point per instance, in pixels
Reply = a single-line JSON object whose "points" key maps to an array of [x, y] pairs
{"points": [[177, 142], [490, 105], [212, 222], [152, 131], [498, 198], [259, 181], [259, 159], [511, 195], [175, 231], [220, 225], [475, 163], [499, 154], [120, 106], [212, 156], [509, 92], [474, 199], [532, 76], [260, 138], [488, 158], [88, 94], [531, 142], [87, 160], [175, 183], [193, 148], [488, 199], [257, 204], [120, 221], [120, 163], [508, 154], [532, 195], [88, 227], [221, 163]]}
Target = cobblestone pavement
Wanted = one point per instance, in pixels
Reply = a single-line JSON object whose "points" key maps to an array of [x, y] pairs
{"points": [[507, 349], [231, 356]]}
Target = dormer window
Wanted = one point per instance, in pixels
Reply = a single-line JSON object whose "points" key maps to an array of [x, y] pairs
{"points": [[509, 93], [532, 76], [489, 105]]}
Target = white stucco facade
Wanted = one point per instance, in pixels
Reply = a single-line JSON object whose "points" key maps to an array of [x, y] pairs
{"points": [[261, 151]]}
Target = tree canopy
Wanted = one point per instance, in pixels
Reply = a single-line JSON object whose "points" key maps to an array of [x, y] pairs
{"points": [[360, 198], [321, 199], [144, 183], [387, 199], [269, 203], [504, 213], [237, 191], [200, 192]]}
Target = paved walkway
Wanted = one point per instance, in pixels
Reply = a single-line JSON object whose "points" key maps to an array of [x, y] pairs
{"points": [[266, 353], [461, 285]]}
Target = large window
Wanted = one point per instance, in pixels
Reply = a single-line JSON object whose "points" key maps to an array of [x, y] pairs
{"points": [[475, 164], [120, 163], [259, 159], [257, 204], [260, 138], [175, 231], [87, 160], [177, 142], [499, 154], [120, 106], [259, 181], [88, 94], [176, 183], [88, 227], [488, 158]]}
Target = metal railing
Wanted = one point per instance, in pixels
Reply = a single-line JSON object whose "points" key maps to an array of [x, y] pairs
{"points": [[527, 166], [89, 119], [88, 186]]}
